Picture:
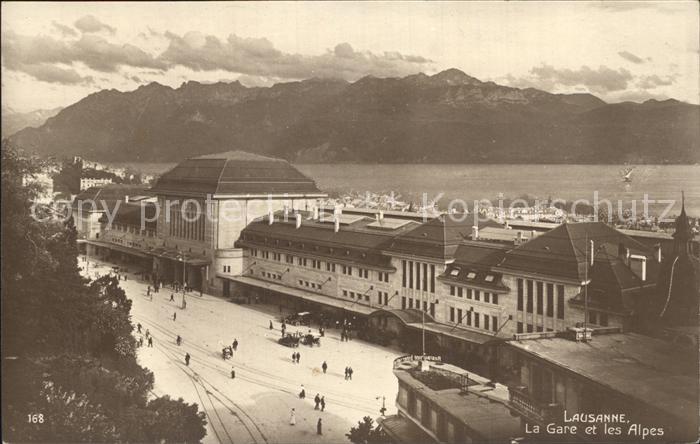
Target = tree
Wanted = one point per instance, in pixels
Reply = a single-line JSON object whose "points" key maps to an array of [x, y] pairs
{"points": [[67, 347], [366, 433]]}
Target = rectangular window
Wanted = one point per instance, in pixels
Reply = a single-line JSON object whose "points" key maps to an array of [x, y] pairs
{"points": [[540, 297], [520, 295], [452, 290], [459, 291], [425, 277], [452, 314], [403, 274], [529, 328], [494, 323], [432, 309], [550, 300], [459, 315], [403, 302], [520, 327], [470, 293], [477, 295], [469, 318], [352, 295], [410, 274], [592, 317], [432, 278], [487, 326], [487, 297], [494, 298], [539, 328], [345, 293], [529, 296], [476, 320], [560, 301]]}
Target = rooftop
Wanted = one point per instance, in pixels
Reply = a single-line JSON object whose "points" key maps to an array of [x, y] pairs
{"points": [[234, 173], [649, 370]]}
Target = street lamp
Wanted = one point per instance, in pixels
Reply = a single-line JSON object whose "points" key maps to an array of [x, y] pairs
{"points": [[382, 411]]}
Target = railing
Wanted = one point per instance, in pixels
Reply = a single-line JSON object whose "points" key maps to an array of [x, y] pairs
{"points": [[405, 358], [521, 399]]}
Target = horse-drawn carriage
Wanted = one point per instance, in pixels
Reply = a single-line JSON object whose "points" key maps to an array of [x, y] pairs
{"points": [[311, 340], [289, 340]]}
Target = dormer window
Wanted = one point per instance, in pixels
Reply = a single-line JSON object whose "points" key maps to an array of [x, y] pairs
{"points": [[471, 275], [454, 272], [489, 278]]}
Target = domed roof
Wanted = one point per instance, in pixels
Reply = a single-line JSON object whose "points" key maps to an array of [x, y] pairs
{"points": [[234, 173]]}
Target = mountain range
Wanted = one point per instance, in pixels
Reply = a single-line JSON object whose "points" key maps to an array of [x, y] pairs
{"points": [[449, 117], [13, 121]]}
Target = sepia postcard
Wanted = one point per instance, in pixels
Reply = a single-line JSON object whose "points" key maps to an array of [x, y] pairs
{"points": [[352, 222]]}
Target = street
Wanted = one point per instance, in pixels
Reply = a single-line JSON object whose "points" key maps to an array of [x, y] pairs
{"points": [[255, 406]]}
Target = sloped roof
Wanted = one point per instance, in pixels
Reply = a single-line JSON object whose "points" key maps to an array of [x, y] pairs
{"points": [[130, 214], [561, 252], [234, 172], [437, 238], [108, 194]]}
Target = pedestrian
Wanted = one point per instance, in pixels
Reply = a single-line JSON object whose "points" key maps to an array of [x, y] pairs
{"points": [[298, 357], [174, 316], [350, 373], [294, 358], [138, 327], [148, 333], [141, 341], [187, 359], [233, 373], [317, 401], [324, 366], [235, 344], [293, 418], [319, 427], [302, 393], [346, 373], [150, 341], [172, 297], [178, 340], [323, 403], [148, 291], [270, 325]]}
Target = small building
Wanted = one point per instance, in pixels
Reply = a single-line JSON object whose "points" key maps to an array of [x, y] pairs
{"points": [[442, 403]]}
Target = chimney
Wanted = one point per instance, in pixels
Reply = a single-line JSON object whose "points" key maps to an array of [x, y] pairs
{"points": [[298, 220], [270, 217], [657, 253], [475, 232], [336, 221]]}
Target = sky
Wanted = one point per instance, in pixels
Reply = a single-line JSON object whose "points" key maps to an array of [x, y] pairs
{"points": [[54, 54]]}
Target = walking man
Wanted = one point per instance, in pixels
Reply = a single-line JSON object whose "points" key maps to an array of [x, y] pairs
{"points": [[138, 327], [235, 344], [323, 403], [317, 401], [187, 359], [292, 418], [346, 373], [270, 325], [233, 373], [150, 341], [174, 315], [172, 297], [178, 340], [302, 393], [350, 373], [294, 358], [298, 357], [319, 427], [324, 366]]}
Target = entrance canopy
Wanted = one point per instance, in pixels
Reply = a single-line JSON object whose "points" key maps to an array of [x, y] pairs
{"points": [[312, 297]]}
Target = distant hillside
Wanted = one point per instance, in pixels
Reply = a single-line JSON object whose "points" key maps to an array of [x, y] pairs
{"points": [[448, 117], [13, 121]]}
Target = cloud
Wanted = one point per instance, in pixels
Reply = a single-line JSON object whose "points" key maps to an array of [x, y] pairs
{"points": [[602, 79], [630, 57], [654, 81], [64, 30], [93, 51], [259, 57], [90, 23], [54, 74]]}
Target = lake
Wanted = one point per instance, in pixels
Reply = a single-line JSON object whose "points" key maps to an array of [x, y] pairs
{"points": [[473, 182]]}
